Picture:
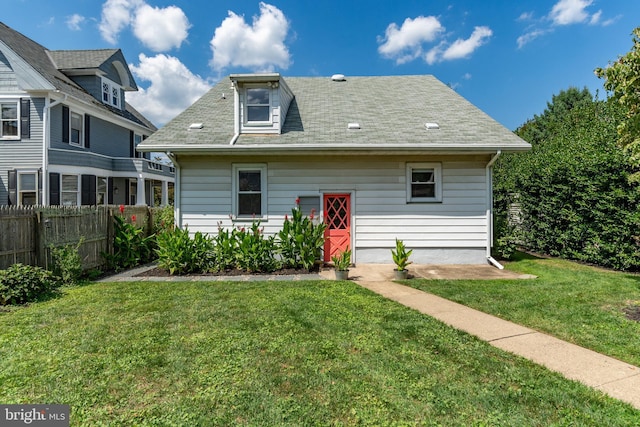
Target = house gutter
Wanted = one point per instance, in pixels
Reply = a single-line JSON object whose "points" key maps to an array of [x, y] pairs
{"points": [[490, 209], [236, 116], [176, 190], [46, 125]]}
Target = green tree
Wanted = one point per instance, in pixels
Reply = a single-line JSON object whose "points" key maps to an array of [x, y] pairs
{"points": [[622, 80]]}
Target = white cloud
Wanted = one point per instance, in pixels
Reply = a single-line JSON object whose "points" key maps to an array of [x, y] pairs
{"points": [[525, 16], [73, 22], [463, 48], [406, 42], [116, 16], [529, 37], [567, 12], [259, 46], [173, 87], [160, 29], [595, 18]]}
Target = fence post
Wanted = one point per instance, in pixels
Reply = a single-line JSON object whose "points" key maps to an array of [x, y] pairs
{"points": [[39, 240]]}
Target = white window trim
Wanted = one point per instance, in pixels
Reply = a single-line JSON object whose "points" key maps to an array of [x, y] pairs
{"points": [[235, 169], [19, 190], [11, 137], [437, 175], [247, 105], [80, 143], [112, 86]]}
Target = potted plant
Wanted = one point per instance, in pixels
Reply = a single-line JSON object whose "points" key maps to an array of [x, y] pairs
{"points": [[401, 259], [341, 263]]}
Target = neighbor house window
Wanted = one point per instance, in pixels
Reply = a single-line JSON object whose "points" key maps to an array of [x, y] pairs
{"points": [[9, 119], [137, 139], [76, 122], [424, 182], [101, 190], [70, 190], [249, 190], [111, 93], [258, 105], [27, 188]]}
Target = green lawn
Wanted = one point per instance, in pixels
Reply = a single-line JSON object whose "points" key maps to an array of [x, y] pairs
{"points": [[574, 302], [272, 354]]}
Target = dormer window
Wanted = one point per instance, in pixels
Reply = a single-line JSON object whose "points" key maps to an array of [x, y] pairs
{"points": [[258, 105], [111, 93]]}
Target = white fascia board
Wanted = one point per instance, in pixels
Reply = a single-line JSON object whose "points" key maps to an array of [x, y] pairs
{"points": [[28, 78]]}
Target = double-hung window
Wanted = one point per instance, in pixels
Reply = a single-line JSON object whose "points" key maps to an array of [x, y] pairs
{"points": [[258, 105], [424, 182], [9, 119], [249, 190], [69, 190], [76, 131], [101, 190], [27, 188]]}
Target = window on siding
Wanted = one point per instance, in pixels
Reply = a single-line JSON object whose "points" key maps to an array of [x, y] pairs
{"points": [[27, 188], [69, 190], [137, 139], [258, 105], [424, 182], [9, 119], [101, 191], [76, 124], [249, 190], [111, 93]]}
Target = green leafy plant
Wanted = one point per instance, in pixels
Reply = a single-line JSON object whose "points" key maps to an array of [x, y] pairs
{"points": [[178, 253], [342, 261], [130, 246], [163, 219], [23, 283], [401, 256], [225, 248], [256, 252], [301, 240], [67, 264]]}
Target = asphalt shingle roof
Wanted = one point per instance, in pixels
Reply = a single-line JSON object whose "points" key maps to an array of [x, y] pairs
{"points": [[391, 110]]}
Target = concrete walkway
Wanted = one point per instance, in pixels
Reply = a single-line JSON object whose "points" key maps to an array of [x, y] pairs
{"points": [[611, 376]]}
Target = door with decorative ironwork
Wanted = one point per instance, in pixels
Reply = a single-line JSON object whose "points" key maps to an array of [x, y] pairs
{"points": [[337, 216]]}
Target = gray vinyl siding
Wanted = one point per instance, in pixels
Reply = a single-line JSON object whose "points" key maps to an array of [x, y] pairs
{"points": [[79, 158], [25, 154], [112, 73], [92, 84], [8, 82], [380, 212], [109, 139]]}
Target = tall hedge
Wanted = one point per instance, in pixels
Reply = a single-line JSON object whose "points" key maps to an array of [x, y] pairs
{"points": [[572, 190]]}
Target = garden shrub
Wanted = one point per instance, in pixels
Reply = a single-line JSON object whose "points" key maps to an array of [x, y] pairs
{"points": [[163, 219], [130, 245], [225, 249], [573, 190], [67, 264], [301, 240], [256, 252], [24, 283], [178, 253]]}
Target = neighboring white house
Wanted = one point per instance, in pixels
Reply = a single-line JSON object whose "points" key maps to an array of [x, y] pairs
{"points": [[378, 158]]}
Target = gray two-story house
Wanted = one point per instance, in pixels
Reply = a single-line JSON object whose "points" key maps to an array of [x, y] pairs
{"points": [[67, 135]]}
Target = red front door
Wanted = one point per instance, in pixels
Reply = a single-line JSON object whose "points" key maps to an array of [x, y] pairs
{"points": [[337, 216]]}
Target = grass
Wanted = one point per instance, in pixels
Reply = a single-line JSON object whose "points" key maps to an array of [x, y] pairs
{"points": [[272, 354], [575, 302]]}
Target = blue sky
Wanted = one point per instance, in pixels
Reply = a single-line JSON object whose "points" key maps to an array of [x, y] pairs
{"points": [[507, 57]]}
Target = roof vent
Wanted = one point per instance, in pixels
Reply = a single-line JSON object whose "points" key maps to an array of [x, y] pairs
{"points": [[353, 126], [432, 126], [196, 126], [338, 78]]}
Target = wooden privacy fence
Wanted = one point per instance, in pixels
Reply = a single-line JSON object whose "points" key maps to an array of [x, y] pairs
{"points": [[27, 234]]}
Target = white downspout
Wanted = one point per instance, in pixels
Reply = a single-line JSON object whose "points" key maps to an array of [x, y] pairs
{"points": [[236, 115], [176, 190], [46, 126], [490, 209]]}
